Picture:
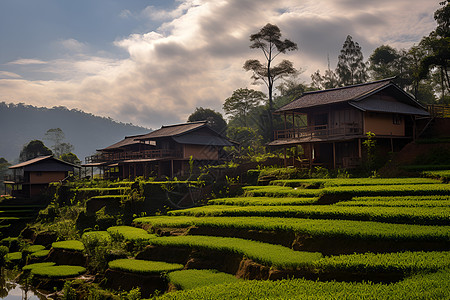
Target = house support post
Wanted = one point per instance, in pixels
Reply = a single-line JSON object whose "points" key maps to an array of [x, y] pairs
{"points": [[334, 155], [285, 159], [359, 149], [392, 145], [310, 155], [171, 168]]}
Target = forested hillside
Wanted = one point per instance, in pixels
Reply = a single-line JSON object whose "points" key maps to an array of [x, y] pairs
{"points": [[20, 123]]}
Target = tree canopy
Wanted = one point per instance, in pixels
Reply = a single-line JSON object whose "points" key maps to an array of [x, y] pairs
{"points": [[34, 149], [351, 68], [214, 118], [269, 41], [241, 103]]}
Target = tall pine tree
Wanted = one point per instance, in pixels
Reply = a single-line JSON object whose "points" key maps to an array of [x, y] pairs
{"points": [[351, 68]]}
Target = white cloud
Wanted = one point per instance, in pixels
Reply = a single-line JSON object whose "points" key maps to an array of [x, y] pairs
{"points": [[73, 45], [5, 74], [27, 61], [195, 57]]}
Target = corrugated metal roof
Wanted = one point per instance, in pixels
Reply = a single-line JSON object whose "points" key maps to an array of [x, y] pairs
{"points": [[381, 105], [337, 95], [206, 140], [173, 130]]}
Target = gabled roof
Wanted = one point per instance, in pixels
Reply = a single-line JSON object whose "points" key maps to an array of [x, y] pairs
{"points": [[39, 160], [128, 140], [173, 130], [353, 94]]}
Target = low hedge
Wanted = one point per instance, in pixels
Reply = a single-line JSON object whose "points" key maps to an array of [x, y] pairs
{"points": [[264, 201]]}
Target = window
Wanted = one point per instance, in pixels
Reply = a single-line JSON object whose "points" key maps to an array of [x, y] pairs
{"points": [[396, 119]]}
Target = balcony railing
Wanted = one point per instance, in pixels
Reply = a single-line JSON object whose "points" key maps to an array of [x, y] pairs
{"points": [[319, 131], [14, 178], [144, 154]]}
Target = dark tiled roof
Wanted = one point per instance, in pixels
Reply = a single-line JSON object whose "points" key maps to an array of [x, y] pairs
{"points": [[331, 96], [128, 140], [380, 105], [40, 159], [206, 140], [173, 130]]}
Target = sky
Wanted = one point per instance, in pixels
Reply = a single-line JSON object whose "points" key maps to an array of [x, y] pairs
{"points": [[151, 63]]}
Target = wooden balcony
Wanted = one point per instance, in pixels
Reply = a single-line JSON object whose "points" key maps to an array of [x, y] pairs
{"points": [[121, 156], [322, 132]]}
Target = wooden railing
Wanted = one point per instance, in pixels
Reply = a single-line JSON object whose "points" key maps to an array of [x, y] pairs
{"points": [[320, 131], [439, 111], [145, 154]]}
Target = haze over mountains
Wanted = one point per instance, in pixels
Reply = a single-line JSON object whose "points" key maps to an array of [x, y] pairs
{"points": [[20, 123]]}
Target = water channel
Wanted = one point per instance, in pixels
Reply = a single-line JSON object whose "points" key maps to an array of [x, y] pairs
{"points": [[10, 290]]}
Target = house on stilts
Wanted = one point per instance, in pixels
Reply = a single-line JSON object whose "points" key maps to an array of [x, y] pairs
{"points": [[331, 124], [166, 152]]}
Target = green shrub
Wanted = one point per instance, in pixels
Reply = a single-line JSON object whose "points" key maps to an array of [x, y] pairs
{"points": [[13, 256], [190, 279], [62, 271], [143, 266], [72, 245]]}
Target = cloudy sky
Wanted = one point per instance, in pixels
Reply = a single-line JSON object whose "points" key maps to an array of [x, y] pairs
{"points": [[153, 62]]}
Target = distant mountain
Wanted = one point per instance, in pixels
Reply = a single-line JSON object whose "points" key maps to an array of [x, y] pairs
{"points": [[20, 123]]}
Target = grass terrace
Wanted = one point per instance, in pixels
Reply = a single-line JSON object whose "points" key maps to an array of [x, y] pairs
{"points": [[407, 215], [428, 286], [330, 182], [54, 272], [406, 262], [399, 201], [264, 201], [191, 279], [71, 245], [38, 265], [314, 227], [131, 233], [267, 254], [143, 266]]}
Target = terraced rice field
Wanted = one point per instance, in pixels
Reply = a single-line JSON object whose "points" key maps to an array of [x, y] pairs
{"points": [[395, 233]]}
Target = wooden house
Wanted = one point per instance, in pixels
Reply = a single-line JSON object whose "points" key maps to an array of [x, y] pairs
{"points": [[331, 124], [30, 178], [163, 152]]}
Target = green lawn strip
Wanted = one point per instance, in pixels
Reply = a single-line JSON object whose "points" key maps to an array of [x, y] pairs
{"points": [[72, 245], [421, 286], [406, 262], [351, 191], [40, 254], [131, 233], [315, 182], [396, 203], [267, 254], [280, 191], [191, 279], [38, 265], [13, 256], [269, 201], [442, 174], [62, 271], [33, 248], [406, 215], [101, 236], [143, 266], [315, 227]]}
